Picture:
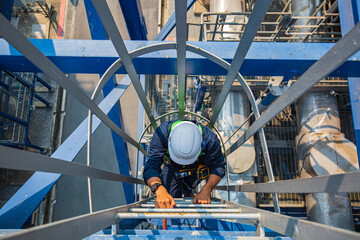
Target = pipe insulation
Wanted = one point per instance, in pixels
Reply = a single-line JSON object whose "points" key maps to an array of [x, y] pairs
{"points": [[323, 150], [228, 6], [242, 167]]}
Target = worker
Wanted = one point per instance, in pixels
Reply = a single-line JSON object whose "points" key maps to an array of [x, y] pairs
{"points": [[182, 154]]}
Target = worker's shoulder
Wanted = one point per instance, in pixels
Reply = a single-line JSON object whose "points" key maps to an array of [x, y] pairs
{"points": [[207, 132], [165, 127]]}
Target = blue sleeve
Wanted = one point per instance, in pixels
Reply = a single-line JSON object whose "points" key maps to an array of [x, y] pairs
{"points": [[214, 157], [155, 155]]}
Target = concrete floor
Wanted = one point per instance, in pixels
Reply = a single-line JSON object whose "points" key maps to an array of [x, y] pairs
{"points": [[71, 191]]}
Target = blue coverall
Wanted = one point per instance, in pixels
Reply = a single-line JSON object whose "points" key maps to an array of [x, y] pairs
{"points": [[213, 158]]}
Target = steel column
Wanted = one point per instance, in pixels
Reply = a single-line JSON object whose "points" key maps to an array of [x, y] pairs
{"points": [[106, 17], [98, 33], [96, 27], [134, 18], [6, 8], [349, 11]]}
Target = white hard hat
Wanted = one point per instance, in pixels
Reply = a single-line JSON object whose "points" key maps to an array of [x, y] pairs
{"points": [[185, 143]]}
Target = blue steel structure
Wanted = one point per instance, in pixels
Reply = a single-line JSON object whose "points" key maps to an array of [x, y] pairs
{"points": [[6, 8], [16, 80], [20, 207], [263, 58], [134, 19], [45, 181], [349, 11], [275, 59], [98, 32]]}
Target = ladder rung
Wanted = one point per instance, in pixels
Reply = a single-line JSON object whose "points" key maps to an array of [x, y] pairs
{"points": [[181, 210], [183, 202], [190, 205], [245, 216]]}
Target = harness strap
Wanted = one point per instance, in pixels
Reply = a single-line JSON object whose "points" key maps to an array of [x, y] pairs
{"points": [[179, 121]]}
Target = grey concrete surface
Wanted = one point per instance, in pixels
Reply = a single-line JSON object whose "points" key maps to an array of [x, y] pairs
{"points": [[193, 31], [71, 195], [41, 119], [150, 10]]}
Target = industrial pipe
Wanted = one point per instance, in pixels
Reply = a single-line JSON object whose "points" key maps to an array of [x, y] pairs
{"points": [[322, 150]]}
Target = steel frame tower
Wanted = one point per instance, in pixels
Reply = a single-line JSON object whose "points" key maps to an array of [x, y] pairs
{"points": [[311, 61]]}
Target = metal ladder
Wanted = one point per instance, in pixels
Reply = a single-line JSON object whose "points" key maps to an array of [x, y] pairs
{"points": [[185, 209]]}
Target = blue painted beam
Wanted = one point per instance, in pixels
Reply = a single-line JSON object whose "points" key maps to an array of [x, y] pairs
{"points": [[6, 7], [98, 32], [15, 119], [134, 19], [120, 145], [96, 27], [349, 11], [45, 84], [171, 23], [19, 208], [91, 56]]}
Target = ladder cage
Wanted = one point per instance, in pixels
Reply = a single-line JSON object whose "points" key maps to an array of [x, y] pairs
{"points": [[88, 224]]}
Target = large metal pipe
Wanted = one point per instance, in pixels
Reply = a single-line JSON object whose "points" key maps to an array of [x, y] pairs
{"points": [[228, 6], [322, 150], [321, 147], [241, 162]]}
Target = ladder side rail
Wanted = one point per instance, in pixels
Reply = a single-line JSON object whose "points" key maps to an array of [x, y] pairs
{"points": [[22, 160], [74, 228]]}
